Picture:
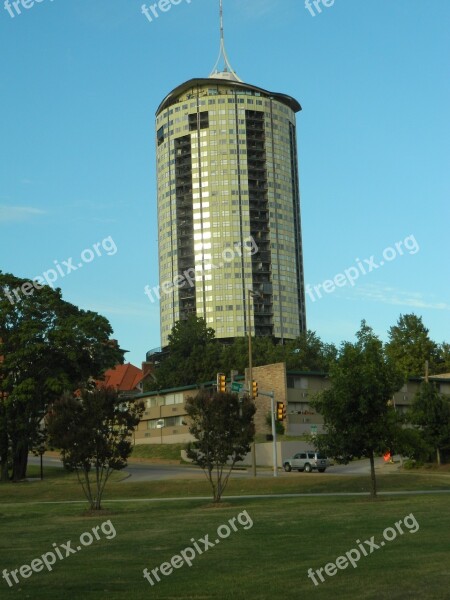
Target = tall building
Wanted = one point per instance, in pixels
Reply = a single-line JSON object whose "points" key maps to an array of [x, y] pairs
{"points": [[229, 207]]}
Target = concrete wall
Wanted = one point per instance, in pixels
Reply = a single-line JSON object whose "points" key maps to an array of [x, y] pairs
{"points": [[264, 457], [264, 453]]}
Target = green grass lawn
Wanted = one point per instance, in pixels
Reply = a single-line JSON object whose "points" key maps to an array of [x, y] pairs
{"points": [[267, 561], [158, 452], [59, 485]]}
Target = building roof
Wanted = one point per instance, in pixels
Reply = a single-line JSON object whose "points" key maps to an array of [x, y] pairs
{"points": [[172, 97], [124, 378]]}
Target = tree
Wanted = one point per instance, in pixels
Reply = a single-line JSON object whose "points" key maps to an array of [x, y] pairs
{"points": [[430, 412], [309, 353], [410, 346], [47, 346], [443, 365], [357, 409], [93, 433], [193, 356], [223, 427]]}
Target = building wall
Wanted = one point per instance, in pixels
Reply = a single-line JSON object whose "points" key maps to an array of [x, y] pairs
{"points": [[294, 389], [269, 378], [301, 417], [168, 407], [228, 184]]}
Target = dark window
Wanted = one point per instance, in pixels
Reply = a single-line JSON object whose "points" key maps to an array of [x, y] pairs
{"points": [[160, 135], [199, 120]]}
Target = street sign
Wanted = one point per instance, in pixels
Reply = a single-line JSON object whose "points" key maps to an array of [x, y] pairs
{"points": [[236, 387], [313, 429]]}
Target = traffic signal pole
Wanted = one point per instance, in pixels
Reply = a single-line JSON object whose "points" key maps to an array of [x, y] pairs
{"points": [[250, 372], [274, 436]]}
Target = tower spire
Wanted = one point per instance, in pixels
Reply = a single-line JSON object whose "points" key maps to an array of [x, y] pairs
{"points": [[227, 70]]}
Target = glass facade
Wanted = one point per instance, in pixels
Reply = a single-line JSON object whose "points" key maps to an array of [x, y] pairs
{"points": [[228, 210]]}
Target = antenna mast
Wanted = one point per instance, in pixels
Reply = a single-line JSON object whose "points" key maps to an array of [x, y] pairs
{"points": [[228, 72]]}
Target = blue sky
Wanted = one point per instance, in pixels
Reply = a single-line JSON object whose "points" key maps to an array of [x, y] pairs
{"points": [[80, 84]]}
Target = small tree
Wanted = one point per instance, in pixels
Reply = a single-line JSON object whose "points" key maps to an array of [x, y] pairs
{"points": [[93, 433], [430, 412], [357, 409], [223, 427]]}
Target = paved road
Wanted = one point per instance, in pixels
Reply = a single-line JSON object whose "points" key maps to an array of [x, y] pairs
{"points": [[139, 472]]}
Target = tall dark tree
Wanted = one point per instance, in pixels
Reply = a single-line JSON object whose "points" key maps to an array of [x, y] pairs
{"points": [[359, 418], [93, 433], [309, 353], [443, 365], [430, 412], [410, 346], [223, 428], [47, 346], [193, 356]]}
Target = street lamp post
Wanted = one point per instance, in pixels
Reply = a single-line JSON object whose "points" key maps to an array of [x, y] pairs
{"points": [[251, 294]]}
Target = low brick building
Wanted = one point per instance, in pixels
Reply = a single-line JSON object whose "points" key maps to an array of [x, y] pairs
{"points": [[164, 419]]}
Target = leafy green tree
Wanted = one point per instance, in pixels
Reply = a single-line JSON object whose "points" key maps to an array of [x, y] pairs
{"points": [[309, 353], [47, 346], [358, 415], [305, 353], [193, 356], [430, 412], [410, 346], [93, 433], [443, 365], [411, 443], [234, 356], [223, 428]]}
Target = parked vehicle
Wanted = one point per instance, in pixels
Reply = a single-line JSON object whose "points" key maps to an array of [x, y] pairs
{"points": [[306, 461]]}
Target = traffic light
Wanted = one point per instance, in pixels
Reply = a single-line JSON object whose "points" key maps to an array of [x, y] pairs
{"points": [[221, 382], [281, 411], [254, 389]]}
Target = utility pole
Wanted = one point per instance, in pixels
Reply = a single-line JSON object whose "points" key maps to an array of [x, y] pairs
{"points": [[251, 293], [274, 436]]}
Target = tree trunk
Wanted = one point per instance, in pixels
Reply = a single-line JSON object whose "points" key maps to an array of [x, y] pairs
{"points": [[20, 461], [438, 456], [218, 494], [373, 490], [4, 470]]}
